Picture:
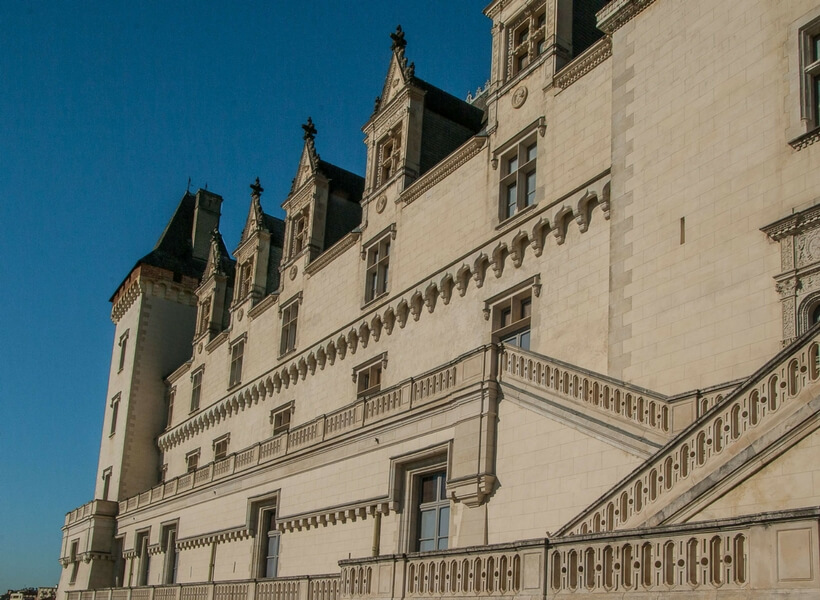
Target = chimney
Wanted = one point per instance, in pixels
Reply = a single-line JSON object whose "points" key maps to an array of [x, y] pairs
{"points": [[206, 219]]}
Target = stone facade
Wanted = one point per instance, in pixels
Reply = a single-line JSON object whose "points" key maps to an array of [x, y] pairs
{"points": [[557, 340]]}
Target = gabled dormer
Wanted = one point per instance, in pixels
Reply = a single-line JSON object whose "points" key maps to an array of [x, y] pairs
{"points": [[259, 252], [214, 293], [323, 205], [414, 126]]}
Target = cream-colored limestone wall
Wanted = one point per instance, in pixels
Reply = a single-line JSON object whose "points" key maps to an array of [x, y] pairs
{"points": [[699, 115], [792, 480], [158, 325], [320, 550], [547, 473]]}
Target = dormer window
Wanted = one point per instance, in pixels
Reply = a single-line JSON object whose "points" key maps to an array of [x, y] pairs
{"points": [[388, 155], [204, 315], [298, 235], [528, 39], [246, 278]]}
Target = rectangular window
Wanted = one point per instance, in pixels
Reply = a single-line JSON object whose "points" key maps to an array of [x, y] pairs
{"points": [[290, 316], [237, 351], [169, 540], [281, 420], [388, 157], [119, 562], [196, 389], [299, 235], [172, 392], [369, 379], [106, 477], [812, 75], [269, 544], [123, 346], [433, 512], [378, 269], [115, 410], [144, 559], [192, 461], [511, 320], [518, 181], [246, 282], [221, 447], [527, 36], [75, 561], [204, 316]]}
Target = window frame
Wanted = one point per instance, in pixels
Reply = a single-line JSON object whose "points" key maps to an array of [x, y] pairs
{"points": [[170, 397], [518, 303], [437, 505], [142, 542], [385, 168], [804, 77], [106, 478], [204, 321], [376, 253], [123, 347], [372, 369], [237, 353], [220, 447], [246, 278], [192, 461], [115, 413], [284, 414], [74, 559], [289, 313], [263, 511], [196, 389], [170, 563], [522, 53], [519, 172]]}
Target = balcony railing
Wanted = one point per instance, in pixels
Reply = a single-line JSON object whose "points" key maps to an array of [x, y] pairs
{"points": [[312, 587]]}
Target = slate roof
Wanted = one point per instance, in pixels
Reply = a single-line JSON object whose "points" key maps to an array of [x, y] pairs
{"points": [[174, 248], [447, 105]]}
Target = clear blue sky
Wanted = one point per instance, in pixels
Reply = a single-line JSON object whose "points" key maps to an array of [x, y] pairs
{"points": [[106, 109]]}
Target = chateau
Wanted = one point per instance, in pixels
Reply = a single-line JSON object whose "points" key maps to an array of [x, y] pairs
{"points": [[556, 340]]}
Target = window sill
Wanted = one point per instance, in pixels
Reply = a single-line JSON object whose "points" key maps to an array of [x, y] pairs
{"points": [[375, 299], [286, 354], [518, 216], [234, 386], [805, 140]]}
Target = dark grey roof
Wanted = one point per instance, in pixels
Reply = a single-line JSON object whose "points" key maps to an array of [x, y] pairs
{"points": [[343, 180], [447, 105]]}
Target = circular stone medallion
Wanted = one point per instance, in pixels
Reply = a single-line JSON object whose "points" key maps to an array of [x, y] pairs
{"points": [[380, 204], [293, 271], [519, 97]]}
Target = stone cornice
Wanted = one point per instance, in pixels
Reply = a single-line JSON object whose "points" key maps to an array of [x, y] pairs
{"points": [[126, 299], [793, 224], [445, 168], [336, 514], [263, 305], [179, 372], [584, 63], [618, 13], [329, 255], [225, 535], [805, 140]]}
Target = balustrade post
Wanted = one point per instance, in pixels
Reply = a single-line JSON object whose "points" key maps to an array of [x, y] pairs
{"points": [[251, 590], [209, 595], [151, 592], [303, 588]]}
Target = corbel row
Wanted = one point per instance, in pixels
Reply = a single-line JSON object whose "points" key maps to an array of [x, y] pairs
{"points": [[335, 516]]}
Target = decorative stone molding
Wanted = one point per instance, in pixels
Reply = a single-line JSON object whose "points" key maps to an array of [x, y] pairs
{"points": [[332, 253], [219, 537], [805, 140], [798, 283], [335, 515], [126, 300], [618, 13], [443, 169], [584, 63]]}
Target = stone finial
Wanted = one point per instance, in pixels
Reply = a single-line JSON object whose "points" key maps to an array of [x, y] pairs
{"points": [[310, 130], [399, 43], [257, 188]]}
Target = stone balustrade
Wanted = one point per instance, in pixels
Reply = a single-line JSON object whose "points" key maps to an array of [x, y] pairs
{"points": [[623, 401], [385, 404], [714, 437], [514, 570], [310, 587]]}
